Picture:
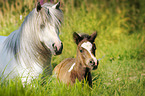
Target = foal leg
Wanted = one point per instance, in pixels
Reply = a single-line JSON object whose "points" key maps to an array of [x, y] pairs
{"points": [[89, 79]]}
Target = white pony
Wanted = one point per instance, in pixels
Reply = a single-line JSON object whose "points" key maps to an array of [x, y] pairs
{"points": [[27, 51]]}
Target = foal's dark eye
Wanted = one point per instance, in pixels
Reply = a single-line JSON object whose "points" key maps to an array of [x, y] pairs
{"points": [[42, 26], [94, 47], [81, 51]]}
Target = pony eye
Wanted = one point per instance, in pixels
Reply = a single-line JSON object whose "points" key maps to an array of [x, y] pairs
{"points": [[42, 26], [81, 51]]}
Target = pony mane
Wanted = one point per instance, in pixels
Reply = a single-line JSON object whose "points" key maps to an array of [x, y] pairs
{"points": [[25, 43]]}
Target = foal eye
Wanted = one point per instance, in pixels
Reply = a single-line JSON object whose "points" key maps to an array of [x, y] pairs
{"points": [[42, 26], [81, 51]]}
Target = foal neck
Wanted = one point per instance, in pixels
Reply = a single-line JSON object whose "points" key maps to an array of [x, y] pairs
{"points": [[83, 71], [80, 65], [79, 62]]}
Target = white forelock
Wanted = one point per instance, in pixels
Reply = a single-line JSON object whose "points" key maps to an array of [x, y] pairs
{"points": [[87, 46]]}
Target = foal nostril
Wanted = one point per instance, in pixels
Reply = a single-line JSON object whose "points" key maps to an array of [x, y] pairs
{"points": [[92, 62]]}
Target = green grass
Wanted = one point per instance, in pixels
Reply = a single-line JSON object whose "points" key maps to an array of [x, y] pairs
{"points": [[121, 39]]}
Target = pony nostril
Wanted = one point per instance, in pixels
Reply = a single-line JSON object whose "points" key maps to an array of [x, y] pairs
{"points": [[53, 44], [57, 49], [61, 47], [54, 47]]}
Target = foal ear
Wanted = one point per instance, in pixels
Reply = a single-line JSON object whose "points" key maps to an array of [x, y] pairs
{"points": [[56, 6], [38, 7], [93, 36], [77, 38]]}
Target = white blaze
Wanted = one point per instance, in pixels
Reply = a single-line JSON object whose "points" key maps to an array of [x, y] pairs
{"points": [[88, 47]]}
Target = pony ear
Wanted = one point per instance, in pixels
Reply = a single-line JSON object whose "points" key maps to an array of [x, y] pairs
{"points": [[38, 7], [76, 38], [56, 6], [93, 36]]}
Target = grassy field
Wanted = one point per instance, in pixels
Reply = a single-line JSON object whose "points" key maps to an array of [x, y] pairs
{"points": [[121, 39]]}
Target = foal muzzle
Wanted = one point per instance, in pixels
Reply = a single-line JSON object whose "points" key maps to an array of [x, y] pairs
{"points": [[94, 63], [95, 66]]}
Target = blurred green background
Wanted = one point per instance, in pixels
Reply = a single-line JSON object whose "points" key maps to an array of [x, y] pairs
{"points": [[121, 39]]}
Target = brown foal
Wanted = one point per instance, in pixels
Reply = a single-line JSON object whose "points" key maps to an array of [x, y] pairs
{"points": [[80, 67]]}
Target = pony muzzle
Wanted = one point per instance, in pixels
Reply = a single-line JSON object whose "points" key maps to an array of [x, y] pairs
{"points": [[57, 49]]}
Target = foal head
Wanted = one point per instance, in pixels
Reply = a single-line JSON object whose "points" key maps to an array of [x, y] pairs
{"points": [[86, 49], [49, 18]]}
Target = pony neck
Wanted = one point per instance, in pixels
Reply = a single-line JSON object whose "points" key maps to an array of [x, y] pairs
{"points": [[24, 43]]}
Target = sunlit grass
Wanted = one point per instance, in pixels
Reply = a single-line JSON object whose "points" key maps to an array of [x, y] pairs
{"points": [[120, 39]]}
